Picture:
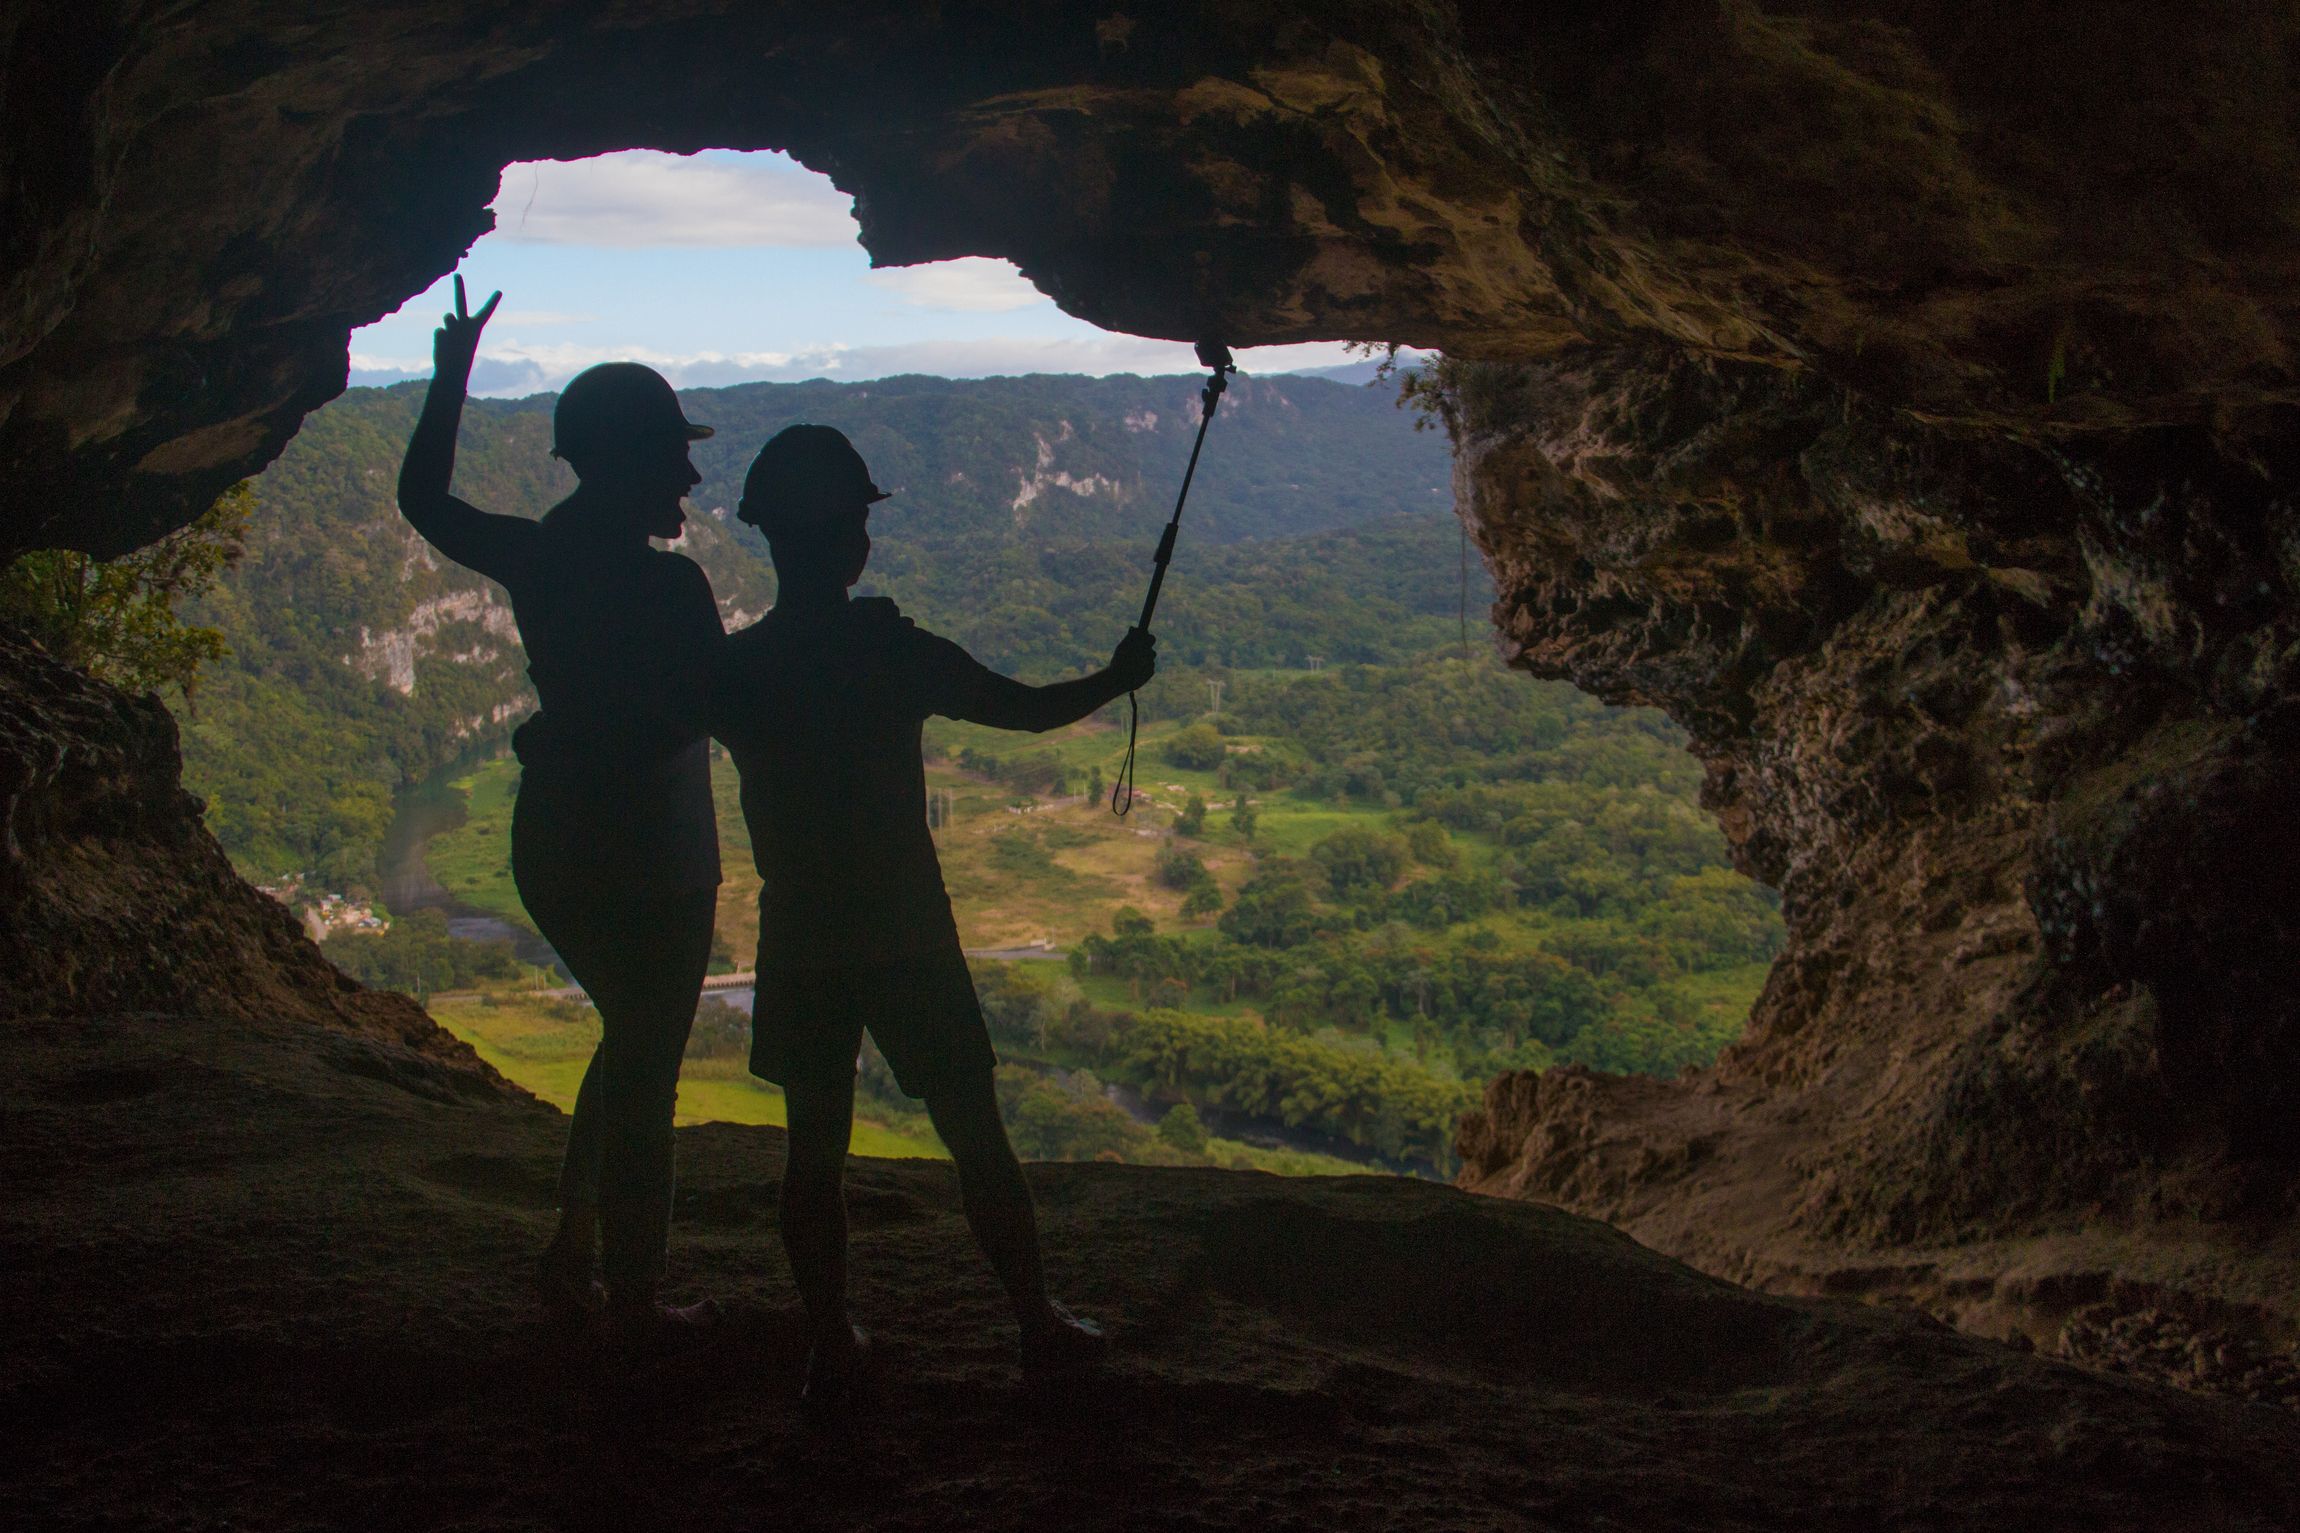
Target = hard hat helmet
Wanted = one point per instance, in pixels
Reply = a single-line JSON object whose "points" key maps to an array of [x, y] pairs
{"points": [[806, 477], [615, 409]]}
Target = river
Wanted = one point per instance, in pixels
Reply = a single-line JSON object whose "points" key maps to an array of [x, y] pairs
{"points": [[419, 812]]}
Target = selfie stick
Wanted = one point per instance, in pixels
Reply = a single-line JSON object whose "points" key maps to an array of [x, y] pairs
{"points": [[1214, 355]]}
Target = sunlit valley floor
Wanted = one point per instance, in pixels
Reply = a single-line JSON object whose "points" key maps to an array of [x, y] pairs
{"points": [[1133, 979], [1368, 868]]}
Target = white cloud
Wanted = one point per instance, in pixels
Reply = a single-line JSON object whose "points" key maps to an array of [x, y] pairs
{"points": [[643, 197], [975, 283], [512, 368], [541, 317]]}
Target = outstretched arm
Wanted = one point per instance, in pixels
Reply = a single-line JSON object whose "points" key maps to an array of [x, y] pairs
{"points": [[464, 533], [1004, 703]]}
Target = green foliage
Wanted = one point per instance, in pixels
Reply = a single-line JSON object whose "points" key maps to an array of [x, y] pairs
{"points": [[1432, 847], [1198, 748], [1204, 899], [116, 619], [1021, 851], [1175, 868], [1018, 1003], [1359, 860], [1243, 819], [1066, 1118], [1183, 1129], [1192, 820], [1272, 911], [720, 1031], [418, 956], [360, 661], [1242, 1065]]}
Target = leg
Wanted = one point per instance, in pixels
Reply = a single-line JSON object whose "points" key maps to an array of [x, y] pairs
{"points": [[564, 1273], [575, 1247], [1005, 1225], [646, 1008], [990, 1184], [814, 1210]]}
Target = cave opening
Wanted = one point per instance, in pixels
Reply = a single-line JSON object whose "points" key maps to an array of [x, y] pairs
{"points": [[1944, 502], [1530, 882]]}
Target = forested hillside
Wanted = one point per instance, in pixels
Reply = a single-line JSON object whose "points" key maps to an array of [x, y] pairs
{"points": [[1371, 867], [1022, 524]]}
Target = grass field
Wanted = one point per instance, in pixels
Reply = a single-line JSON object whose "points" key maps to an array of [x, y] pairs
{"points": [[1021, 871], [545, 1046]]}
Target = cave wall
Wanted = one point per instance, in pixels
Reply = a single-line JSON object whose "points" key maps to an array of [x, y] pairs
{"points": [[1900, 394], [2009, 724], [2072, 217], [115, 901]]}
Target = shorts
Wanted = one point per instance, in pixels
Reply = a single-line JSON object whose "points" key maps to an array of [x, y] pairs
{"points": [[807, 1023]]}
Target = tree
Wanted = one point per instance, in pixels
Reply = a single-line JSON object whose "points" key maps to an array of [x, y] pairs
{"points": [[1204, 899], [1432, 847], [720, 1031], [418, 955], [1272, 911], [1177, 869], [1184, 1130], [1192, 820], [1198, 748], [1242, 819], [116, 619], [1358, 860]]}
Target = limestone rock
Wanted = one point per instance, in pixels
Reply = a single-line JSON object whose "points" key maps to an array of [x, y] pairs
{"points": [[290, 1293], [115, 899], [1998, 215]]}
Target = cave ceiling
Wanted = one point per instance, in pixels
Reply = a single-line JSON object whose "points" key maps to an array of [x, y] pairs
{"points": [[2044, 220]]}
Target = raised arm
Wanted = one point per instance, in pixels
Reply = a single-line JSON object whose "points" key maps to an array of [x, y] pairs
{"points": [[1004, 703], [466, 534]]}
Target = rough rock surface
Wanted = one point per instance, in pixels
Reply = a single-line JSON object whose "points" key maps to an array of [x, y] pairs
{"points": [[282, 1287], [2012, 729], [115, 899], [2077, 217], [1906, 403]]}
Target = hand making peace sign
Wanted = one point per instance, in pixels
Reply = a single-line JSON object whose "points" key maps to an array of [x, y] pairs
{"points": [[456, 341]]}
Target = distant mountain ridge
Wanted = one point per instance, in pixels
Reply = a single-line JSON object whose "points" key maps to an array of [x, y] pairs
{"points": [[1025, 513]]}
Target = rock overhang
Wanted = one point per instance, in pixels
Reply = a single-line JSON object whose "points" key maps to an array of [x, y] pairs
{"points": [[1900, 395], [1999, 220]]}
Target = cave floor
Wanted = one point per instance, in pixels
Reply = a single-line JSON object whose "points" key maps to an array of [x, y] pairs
{"points": [[271, 1277]]}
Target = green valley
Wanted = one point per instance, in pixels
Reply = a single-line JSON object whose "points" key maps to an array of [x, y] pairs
{"points": [[1365, 870]]}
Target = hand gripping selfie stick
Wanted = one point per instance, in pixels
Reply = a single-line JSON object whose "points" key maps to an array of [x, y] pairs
{"points": [[1216, 356]]}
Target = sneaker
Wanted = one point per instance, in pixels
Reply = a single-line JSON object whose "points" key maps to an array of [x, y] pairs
{"points": [[1061, 1344]]}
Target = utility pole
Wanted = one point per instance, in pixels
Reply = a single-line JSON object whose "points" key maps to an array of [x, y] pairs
{"points": [[1317, 662], [1214, 688]]}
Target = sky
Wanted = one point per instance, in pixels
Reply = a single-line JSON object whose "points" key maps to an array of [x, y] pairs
{"points": [[725, 267]]}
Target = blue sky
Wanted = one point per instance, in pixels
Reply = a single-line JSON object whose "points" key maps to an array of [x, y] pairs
{"points": [[724, 267]]}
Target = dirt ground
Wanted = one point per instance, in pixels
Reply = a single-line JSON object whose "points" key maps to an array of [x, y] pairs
{"points": [[271, 1277]]}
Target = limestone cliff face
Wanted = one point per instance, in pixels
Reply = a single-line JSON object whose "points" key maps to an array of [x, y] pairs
{"points": [[115, 899], [1900, 394], [2008, 724]]}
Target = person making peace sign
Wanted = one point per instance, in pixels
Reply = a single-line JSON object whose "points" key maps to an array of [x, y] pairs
{"points": [[614, 845]]}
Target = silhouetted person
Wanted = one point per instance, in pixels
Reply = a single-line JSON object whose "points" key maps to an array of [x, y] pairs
{"points": [[614, 845], [821, 703]]}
